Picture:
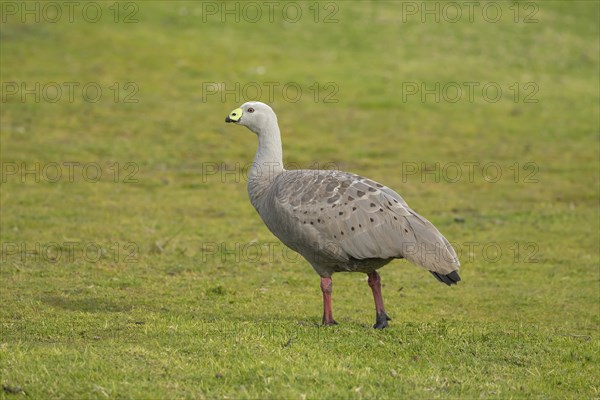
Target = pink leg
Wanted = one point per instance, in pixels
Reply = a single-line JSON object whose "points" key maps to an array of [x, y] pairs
{"points": [[327, 288], [375, 284]]}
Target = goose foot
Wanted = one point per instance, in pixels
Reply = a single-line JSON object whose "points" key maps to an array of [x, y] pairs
{"points": [[381, 321]]}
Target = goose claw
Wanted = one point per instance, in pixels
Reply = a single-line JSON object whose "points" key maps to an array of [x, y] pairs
{"points": [[381, 321]]}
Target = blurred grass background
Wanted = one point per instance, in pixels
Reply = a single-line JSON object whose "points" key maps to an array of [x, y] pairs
{"points": [[173, 309]]}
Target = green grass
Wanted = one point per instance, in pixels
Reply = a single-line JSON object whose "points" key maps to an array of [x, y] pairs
{"points": [[171, 308]]}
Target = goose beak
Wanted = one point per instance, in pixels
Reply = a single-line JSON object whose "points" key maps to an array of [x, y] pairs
{"points": [[235, 115]]}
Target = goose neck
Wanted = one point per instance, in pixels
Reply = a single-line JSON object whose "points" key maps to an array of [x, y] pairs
{"points": [[268, 161]]}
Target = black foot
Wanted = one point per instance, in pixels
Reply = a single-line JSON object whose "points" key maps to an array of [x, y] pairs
{"points": [[331, 323], [381, 322]]}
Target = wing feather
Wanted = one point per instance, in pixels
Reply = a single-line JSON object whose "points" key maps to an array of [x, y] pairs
{"points": [[365, 219]]}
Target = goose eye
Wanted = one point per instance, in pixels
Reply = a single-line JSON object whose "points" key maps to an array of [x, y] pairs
{"points": [[251, 110]]}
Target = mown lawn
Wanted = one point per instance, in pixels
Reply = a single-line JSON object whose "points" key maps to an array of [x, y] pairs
{"points": [[133, 265]]}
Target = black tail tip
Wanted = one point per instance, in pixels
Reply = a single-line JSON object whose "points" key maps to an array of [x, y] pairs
{"points": [[450, 279]]}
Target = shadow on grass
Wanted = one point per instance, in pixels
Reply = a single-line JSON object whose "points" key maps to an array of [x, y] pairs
{"points": [[88, 304]]}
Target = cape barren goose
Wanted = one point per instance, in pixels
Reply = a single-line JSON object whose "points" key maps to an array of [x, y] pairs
{"points": [[338, 221]]}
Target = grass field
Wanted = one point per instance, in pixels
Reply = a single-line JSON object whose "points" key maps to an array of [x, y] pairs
{"points": [[134, 266]]}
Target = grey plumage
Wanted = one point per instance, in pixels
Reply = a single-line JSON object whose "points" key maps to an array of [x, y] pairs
{"points": [[344, 222], [336, 220]]}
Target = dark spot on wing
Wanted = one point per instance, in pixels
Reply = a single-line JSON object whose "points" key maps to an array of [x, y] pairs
{"points": [[331, 186], [333, 199], [360, 193]]}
